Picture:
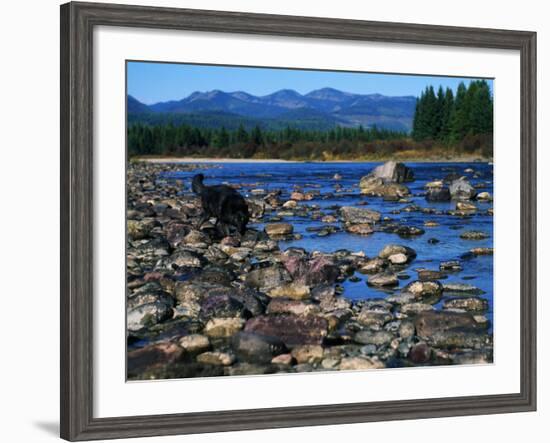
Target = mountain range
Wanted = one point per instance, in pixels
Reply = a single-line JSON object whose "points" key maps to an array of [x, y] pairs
{"points": [[320, 109]]}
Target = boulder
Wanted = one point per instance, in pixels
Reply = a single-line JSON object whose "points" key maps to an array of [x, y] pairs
{"points": [[291, 329], [296, 307], [194, 343], [377, 338], [312, 354], [278, 229], [147, 315], [152, 356], [431, 322], [426, 291], [461, 189], [257, 348], [468, 304], [394, 172], [390, 250], [360, 363], [353, 215], [474, 235], [438, 194], [223, 327], [383, 279], [294, 290], [268, 277], [216, 358]]}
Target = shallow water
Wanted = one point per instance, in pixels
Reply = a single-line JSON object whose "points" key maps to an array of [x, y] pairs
{"points": [[477, 271]]}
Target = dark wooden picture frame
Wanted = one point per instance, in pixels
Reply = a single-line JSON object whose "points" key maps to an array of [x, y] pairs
{"points": [[77, 23]]}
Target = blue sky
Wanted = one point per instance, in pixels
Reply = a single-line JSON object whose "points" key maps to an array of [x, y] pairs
{"points": [[156, 82]]}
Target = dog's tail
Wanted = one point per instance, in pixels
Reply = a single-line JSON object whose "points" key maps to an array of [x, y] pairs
{"points": [[197, 184]]}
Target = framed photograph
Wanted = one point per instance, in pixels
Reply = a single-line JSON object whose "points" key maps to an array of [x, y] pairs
{"points": [[273, 221]]}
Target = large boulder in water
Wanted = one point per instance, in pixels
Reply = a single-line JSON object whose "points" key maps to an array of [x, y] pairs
{"points": [[393, 172], [461, 189]]}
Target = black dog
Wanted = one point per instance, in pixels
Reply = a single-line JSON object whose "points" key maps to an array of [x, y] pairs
{"points": [[222, 202]]}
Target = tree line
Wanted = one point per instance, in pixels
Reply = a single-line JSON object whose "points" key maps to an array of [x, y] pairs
{"points": [[450, 118], [443, 122]]}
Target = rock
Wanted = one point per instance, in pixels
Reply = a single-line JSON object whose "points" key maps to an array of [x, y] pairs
{"points": [[461, 189], [402, 298], [312, 354], [321, 270], [183, 259], [216, 358], [484, 196], [223, 327], [474, 235], [373, 317], [398, 259], [465, 206], [431, 322], [450, 266], [377, 338], [392, 171], [269, 277], [255, 347], [291, 204], [468, 304], [375, 186], [296, 307], [383, 279], [420, 353], [360, 363], [360, 229], [390, 250], [295, 291], [275, 230], [431, 224], [415, 308], [283, 359], [148, 314], [427, 291], [330, 363], [458, 339], [194, 343], [138, 230], [291, 329], [152, 356], [462, 288], [428, 274], [256, 207], [373, 266], [222, 305], [353, 215], [472, 358], [441, 194], [406, 329], [481, 251]]}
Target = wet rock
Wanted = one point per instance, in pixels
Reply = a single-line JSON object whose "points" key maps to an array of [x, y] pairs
{"points": [[398, 259], [429, 323], [148, 315], [373, 266], [290, 204], [353, 215], [295, 291], [383, 280], [222, 305], [153, 356], [465, 206], [223, 327], [255, 347], [283, 359], [472, 358], [484, 196], [375, 186], [474, 235], [438, 194], [377, 338], [462, 288], [360, 229], [420, 353], [374, 318], [467, 304], [216, 358], [428, 274], [269, 277], [481, 251], [182, 259], [426, 291], [461, 189], [194, 343], [392, 171], [291, 329], [360, 363], [390, 250], [415, 308], [458, 339], [402, 298], [275, 230], [450, 266], [312, 354], [406, 329], [139, 229], [296, 307]]}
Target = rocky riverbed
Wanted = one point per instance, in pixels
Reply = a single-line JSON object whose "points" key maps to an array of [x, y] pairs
{"points": [[199, 304]]}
